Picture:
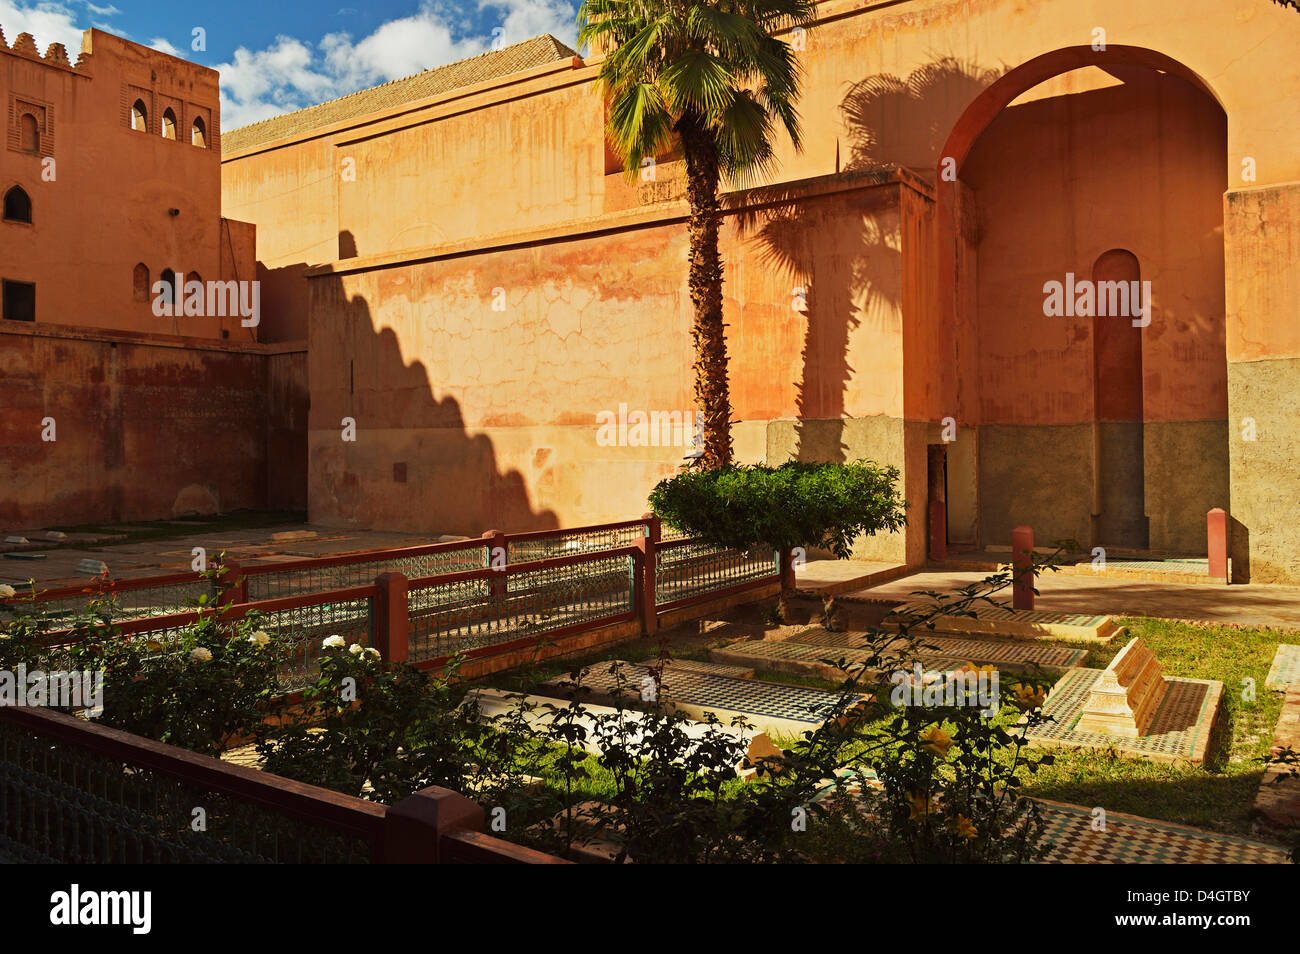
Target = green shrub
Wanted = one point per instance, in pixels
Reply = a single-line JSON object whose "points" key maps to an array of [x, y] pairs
{"points": [[797, 504]]}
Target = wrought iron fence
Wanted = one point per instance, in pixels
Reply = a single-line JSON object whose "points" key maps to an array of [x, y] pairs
{"points": [[690, 569], [529, 547], [300, 630], [333, 573], [470, 614], [65, 800], [125, 599]]}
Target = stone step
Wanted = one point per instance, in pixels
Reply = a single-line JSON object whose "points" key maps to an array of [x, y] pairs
{"points": [[1021, 624], [770, 707]]}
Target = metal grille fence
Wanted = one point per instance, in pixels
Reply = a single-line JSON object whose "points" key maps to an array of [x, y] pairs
{"points": [[299, 631], [60, 803], [127, 601], [689, 569], [528, 547], [271, 582], [463, 616]]}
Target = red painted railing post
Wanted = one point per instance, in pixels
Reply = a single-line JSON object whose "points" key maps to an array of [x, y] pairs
{"points": [[1216, 525], [1022, 562], [497, 559], [392, 617], [413, 828], [232, 585], [646, 573]]}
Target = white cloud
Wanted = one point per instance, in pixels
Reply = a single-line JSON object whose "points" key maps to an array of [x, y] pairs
{"points": [[525, 19], [292, 73], [47, 23], [162, 45]]}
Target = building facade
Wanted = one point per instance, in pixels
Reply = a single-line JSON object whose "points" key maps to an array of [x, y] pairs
{"points": [[479, 282], [115, 408]]}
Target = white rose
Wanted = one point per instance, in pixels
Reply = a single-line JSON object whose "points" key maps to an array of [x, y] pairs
{"points": [[355, 649], [332, 642], [260, 638], [6, 591], [201, 655], [372, 653]]}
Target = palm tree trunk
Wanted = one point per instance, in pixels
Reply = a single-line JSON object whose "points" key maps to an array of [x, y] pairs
{"points": [[712, 391]]}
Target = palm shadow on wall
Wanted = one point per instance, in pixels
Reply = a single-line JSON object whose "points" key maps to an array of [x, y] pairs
{"points": [[425, 472], [889, 122]]}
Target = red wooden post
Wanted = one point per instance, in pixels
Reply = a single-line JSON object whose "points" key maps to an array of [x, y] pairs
{"points": [[392, 617], [1216, 525], [645, 583], [498, 555], [1022, 562], [413, 828], [938, 530], [233, 585]]}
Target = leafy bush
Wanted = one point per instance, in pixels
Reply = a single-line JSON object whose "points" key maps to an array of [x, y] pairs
{"points": [[370, 729], [797, 504], [211, 683]]}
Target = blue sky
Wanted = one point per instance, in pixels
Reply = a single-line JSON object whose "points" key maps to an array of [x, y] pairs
{"points": [[279, 55]]}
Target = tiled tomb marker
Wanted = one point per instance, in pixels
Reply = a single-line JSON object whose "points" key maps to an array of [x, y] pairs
{"points": [[1127, 696], [538, 714], [999, 621], [1285, 671], [770, 707]]}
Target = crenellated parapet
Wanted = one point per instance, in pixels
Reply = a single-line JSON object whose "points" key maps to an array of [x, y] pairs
{"points": [[56, 54]]}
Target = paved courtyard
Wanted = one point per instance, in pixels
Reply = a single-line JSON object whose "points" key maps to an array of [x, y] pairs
{"points": [[1250, 604], [57, 565]]}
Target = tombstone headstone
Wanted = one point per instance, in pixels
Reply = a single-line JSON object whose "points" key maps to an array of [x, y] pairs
{"points": [[1126, 697]]}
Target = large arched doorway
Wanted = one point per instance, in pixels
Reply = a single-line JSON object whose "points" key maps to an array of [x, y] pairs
{"points": [[1108, 429]]}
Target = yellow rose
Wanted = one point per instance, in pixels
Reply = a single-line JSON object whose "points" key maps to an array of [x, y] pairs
{"points": [[920, 806], [936, 741], [1031, 697], [963, 827]]}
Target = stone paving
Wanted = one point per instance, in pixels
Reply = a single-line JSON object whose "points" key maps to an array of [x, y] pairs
{"points": [[1130, 840], [57, 566], [1247, 604]]}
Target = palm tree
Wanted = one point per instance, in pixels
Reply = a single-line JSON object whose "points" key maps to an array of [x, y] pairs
{"points": [[712, 75]]}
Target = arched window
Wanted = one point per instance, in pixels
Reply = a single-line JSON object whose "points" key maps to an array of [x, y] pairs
{"points": [[29, 133], [18, 205], [139, 117], [199, 133], [169, 124], [168, 278], [140, 282]]}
